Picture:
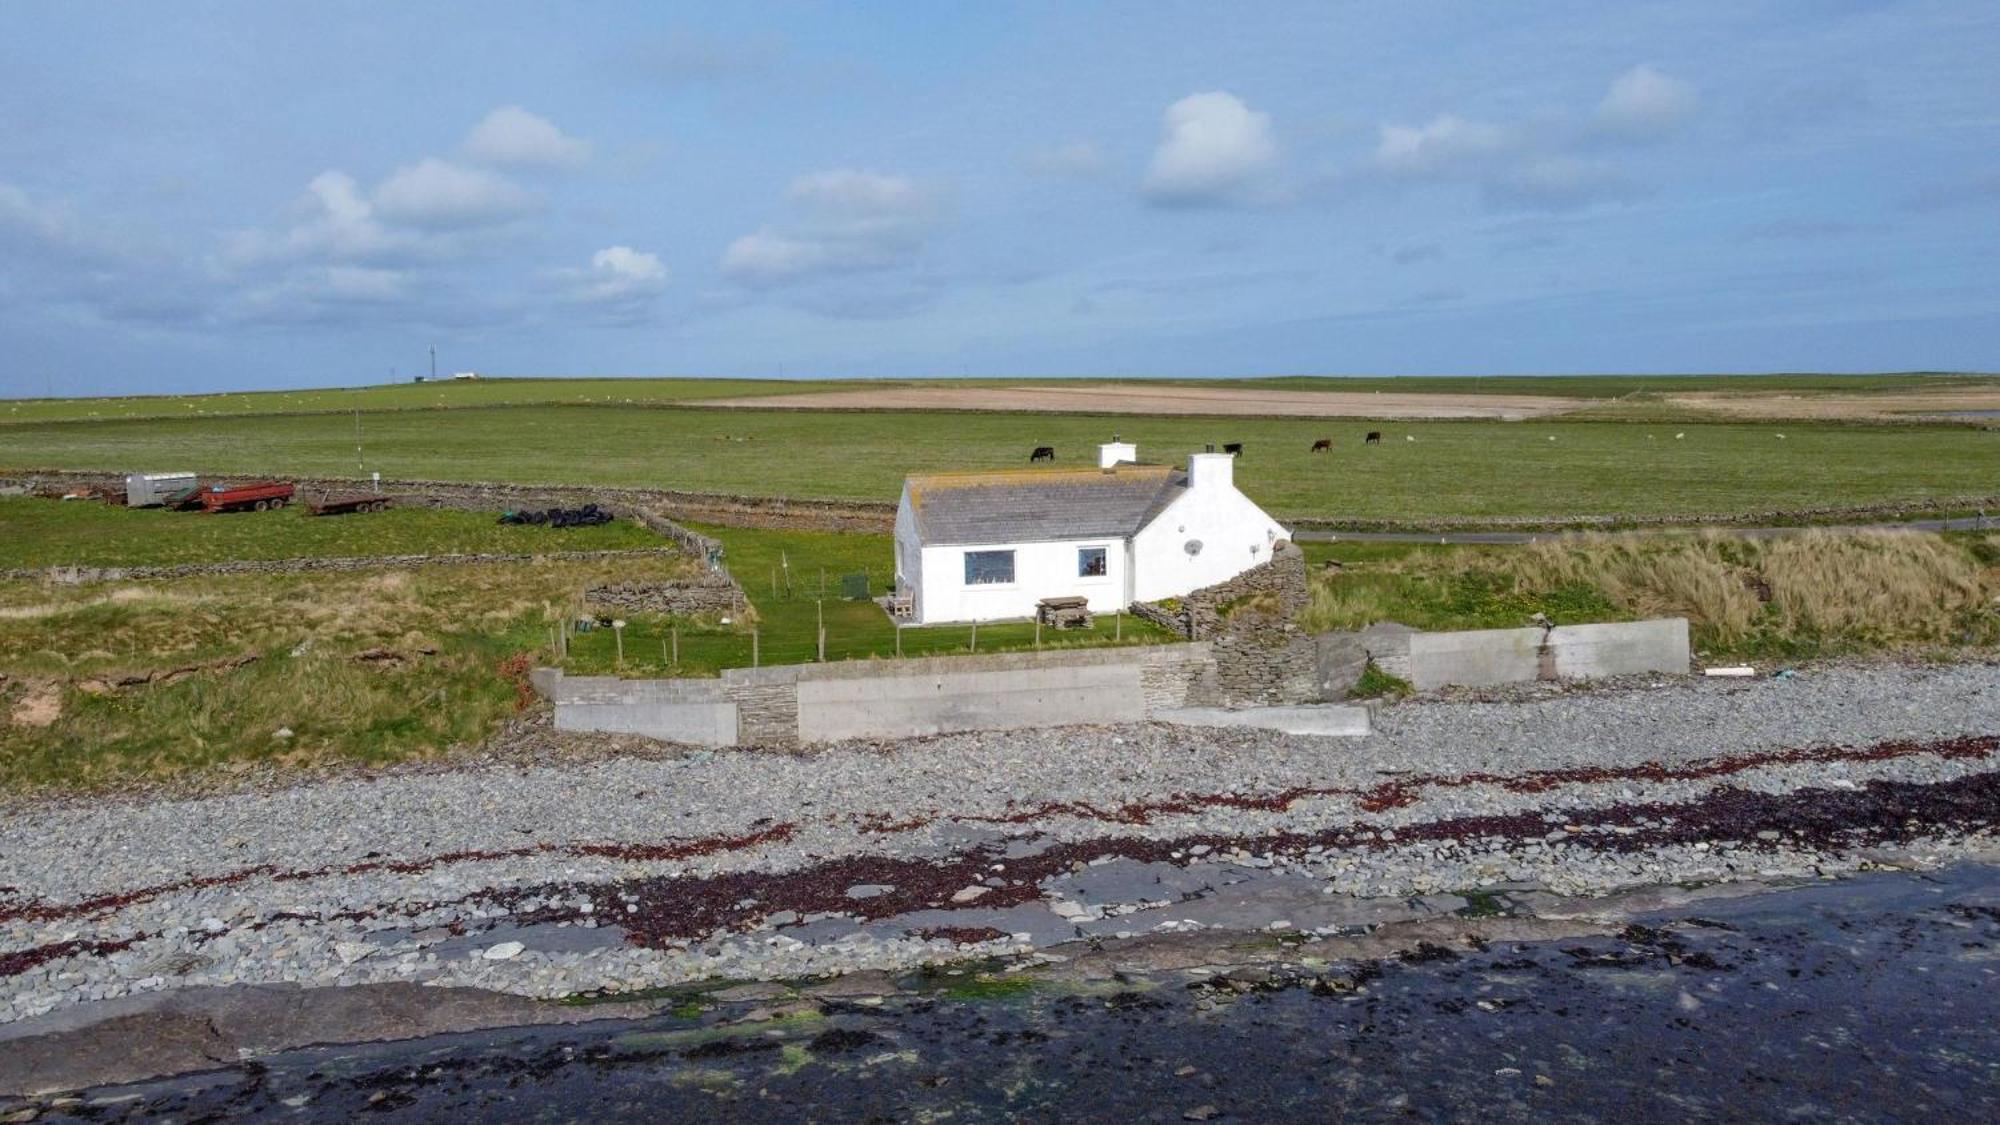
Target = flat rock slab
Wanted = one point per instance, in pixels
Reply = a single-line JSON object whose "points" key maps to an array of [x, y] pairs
{"points": [[1331, 720], [162, 1033]]}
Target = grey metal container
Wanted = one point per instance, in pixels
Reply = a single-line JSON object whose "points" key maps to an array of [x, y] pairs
{"points": [[149, 490]]}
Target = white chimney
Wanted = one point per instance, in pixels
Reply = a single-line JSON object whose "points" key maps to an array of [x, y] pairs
{"points": [[1115, 452], [1211, 470]]}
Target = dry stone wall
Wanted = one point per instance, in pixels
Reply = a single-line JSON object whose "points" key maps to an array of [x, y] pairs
{"points": [[714, 593], [1261, 655], [706, 507], [77, 574]]}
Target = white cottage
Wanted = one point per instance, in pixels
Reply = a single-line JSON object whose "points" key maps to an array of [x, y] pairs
{"points": [[985, 546]]}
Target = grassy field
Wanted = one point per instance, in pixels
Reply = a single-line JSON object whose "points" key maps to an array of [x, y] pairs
{"points": [[442, 395], [1450, 469], [1812, 595], [782, 572], [35, 532], [450, 394], [359, 667]]}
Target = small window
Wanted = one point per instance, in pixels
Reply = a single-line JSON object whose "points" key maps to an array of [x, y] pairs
{"points": [[989, 568], [1090, 562]]}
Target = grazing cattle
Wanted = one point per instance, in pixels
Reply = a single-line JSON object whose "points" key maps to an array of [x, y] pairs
{"points": [[1042, 453], [1374, 438], [1233, 448], [1323, 445]]}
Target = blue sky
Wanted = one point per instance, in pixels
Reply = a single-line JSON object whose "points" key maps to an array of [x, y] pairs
{"points": [[204, 196]]}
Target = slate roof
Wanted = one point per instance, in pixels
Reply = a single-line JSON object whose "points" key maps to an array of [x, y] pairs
{"points": [[1040, 505]]}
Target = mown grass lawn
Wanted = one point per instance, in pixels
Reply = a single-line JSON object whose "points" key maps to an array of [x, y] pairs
{"points": [[36, 532], [1421, 470], [782, 573]]}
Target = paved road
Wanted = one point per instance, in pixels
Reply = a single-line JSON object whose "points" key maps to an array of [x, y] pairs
{"points": [[1964, 523]]}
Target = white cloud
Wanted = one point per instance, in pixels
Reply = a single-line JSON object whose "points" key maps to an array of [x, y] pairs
{"points": [[363, 283], [618, 275], [332, 221], [1644, 104], [1076, 160], [844, 220], [23, 217], [1550, 162], [1448, 144], [1557, 182], [512, 137], [434, 193], [1212, 148]]}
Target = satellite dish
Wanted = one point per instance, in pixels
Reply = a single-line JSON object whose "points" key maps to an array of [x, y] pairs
{"points": [[1192, 547]]}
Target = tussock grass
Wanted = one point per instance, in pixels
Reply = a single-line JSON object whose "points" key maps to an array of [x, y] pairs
{"points": [[1818, 593], [439, 636]]}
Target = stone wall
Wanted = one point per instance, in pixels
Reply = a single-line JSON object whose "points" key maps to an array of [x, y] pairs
{"points": [[713, 594], [74, 574], [1261, 656], [719, 508]]}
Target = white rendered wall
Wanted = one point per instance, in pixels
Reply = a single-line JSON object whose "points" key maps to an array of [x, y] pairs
{"points": [[1041, 570], [1235, 535]]}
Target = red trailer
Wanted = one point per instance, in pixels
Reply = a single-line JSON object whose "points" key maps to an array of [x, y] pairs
{"points": [[245, 497]]}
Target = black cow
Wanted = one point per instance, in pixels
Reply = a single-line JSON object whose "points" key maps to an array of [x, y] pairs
{"points": [[1323, 445], [1234, 448], [1042, 453], [1374, 438]]}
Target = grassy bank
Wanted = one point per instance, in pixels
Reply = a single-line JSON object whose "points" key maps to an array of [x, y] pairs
{"points": [[35, 532], [794, 579], [1449, 469], [1812, 595], [368, 668]]}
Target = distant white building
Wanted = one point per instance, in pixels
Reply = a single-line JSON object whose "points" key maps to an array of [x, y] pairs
{"points": [[465, 374], [985, 546]]}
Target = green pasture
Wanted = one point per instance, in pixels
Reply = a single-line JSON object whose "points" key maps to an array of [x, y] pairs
{"points": [[444, 394], [1422, 470], [36, 532], [794, 580], [450, 394]]}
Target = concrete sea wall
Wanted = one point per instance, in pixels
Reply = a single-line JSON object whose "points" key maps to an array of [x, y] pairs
{"points": [[808, 703]]}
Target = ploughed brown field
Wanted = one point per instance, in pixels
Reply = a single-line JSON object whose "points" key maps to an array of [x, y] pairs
{"points": [[1104, 398]]}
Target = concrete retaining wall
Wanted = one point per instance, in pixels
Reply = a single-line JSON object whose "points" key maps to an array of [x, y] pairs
{"points": [[1486, 657], [942, 694], [807, 703]]}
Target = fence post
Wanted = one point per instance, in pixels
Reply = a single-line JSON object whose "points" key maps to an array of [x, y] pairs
{"points": [[975, 634], [756, 658], [899, 640], [677, 646], [1117, 624], [1038, 634], [822, 644], [663, 653]]}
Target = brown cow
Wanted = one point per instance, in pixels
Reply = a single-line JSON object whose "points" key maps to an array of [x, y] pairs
{"points": [[1323, 445], [1042, 453], [1374, 438], [1234, 448]]}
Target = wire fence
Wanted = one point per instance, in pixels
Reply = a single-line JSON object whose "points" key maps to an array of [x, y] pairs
{"points": [[646, 646]]}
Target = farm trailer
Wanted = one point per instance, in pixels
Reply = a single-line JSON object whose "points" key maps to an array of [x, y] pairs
{"points": [[246, 497]]}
